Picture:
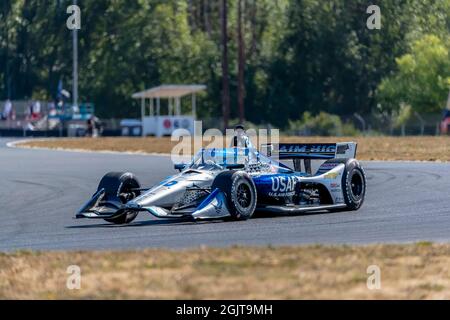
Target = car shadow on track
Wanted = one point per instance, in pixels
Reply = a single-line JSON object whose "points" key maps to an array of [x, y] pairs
{"points": [[134, 224], [190, 222]]}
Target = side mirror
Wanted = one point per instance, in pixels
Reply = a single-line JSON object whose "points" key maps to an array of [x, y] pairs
{"points": [[235, 166], [179, 166]]}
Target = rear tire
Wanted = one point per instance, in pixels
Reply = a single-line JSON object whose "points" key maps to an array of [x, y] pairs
{"points": [[240, 192], [118, 187], [353, 184]]}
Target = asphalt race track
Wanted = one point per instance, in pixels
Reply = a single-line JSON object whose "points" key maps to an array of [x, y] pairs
{"points": [[41, 190]]}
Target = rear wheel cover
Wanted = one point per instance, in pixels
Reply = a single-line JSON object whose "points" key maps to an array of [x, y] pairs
{"points": [[356, 185]]}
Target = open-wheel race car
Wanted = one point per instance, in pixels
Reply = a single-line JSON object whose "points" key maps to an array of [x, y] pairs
{"points": [[233, 183]]}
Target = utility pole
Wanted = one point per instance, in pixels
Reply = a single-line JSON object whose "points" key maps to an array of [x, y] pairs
{"points": [[448, 101], [225, 72], [241, 65], [7, 81], [75, 65]]}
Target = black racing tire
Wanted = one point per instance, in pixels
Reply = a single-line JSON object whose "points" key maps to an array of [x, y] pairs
{"points": [[353, 184], [240, 192], [118, 187]]}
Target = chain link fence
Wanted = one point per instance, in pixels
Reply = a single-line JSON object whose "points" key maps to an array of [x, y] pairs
{"points": [[417, 124], [359, 124]]}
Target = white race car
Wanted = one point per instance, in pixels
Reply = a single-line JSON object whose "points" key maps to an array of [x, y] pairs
{"points": [[235, 182]]}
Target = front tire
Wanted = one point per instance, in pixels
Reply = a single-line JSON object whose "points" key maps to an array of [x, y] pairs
{"points": [[240, 192], [120, 186]]}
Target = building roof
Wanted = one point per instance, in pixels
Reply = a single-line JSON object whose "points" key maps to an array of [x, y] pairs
{"points": [[169, 91]]}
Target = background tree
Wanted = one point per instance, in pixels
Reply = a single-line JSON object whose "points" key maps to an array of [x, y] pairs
{"points": [[422, 79], [300, 55]]}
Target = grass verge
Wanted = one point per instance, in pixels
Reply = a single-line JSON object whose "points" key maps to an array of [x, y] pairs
{"points": [[426, 148], [413, 271]]}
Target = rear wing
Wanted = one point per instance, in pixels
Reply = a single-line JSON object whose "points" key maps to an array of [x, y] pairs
{"points": [[313, 151]]}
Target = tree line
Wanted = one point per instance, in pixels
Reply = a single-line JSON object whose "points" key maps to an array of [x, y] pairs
{"points": [[264, 61]]}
